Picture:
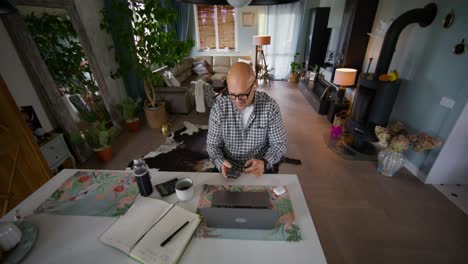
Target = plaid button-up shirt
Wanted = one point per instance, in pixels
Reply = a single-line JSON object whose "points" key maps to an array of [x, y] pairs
{"points": [[264, 136]]}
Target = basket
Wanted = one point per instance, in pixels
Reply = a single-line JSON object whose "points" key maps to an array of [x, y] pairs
{"points": [[156, 116]]}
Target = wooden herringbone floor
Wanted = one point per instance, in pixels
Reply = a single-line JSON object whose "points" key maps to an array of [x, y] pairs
{"points": [[360, 216]]}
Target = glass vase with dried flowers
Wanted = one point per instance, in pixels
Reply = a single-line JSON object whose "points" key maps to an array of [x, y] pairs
{"points": [[396, 140]]}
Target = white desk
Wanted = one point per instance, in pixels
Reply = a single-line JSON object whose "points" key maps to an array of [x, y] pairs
{"points": [[74, 239]]}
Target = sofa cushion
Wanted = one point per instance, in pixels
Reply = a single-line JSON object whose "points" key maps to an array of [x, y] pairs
{"points": [[183, 69], [199, 68], [221, 63], [218, 79], [208, 62], [234, 59], [220, 69], [165, 77]]}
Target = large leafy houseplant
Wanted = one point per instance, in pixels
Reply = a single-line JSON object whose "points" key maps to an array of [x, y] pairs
{"points": [[61, 50], [145, 31]]}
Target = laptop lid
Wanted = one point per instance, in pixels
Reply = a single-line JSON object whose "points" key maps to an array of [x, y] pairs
{"points": [[240, 218], [241, 199]]}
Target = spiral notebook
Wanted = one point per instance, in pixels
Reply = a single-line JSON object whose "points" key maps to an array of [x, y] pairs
{"points": [[140, 232]]}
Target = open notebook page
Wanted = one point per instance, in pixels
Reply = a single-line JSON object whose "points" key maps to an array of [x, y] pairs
{"points": [[129, 228], [149, 249]]}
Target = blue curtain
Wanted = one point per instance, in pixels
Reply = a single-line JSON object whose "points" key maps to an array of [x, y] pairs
{"points": [[133, 84], [183, 16]]}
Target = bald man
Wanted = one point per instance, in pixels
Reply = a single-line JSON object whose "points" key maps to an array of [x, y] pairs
{"points": [[245, 132]]}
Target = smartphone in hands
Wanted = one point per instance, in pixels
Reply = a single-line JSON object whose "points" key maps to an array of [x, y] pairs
{"points": [[233, 174]]}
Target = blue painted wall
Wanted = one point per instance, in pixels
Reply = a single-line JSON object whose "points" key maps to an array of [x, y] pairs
{"points": [[429, 70]]}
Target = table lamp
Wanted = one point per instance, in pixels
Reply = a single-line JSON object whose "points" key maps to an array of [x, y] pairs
{"points": [[259, 41], [344, 77]]}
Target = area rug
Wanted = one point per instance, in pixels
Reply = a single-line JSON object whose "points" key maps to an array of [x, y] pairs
{"points": [[185, 150], [285, 229], [92, 193]]}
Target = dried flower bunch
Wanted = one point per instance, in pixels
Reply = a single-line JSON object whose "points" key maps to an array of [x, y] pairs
{"points": [[396, 138]]}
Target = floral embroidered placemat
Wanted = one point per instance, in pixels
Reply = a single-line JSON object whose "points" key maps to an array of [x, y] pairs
{"points": [[285, 229], [92, 193]]}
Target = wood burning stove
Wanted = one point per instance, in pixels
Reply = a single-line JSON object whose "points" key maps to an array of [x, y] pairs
{"points": [[374, 99]]}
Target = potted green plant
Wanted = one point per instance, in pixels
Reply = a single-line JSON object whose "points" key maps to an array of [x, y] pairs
{"points": [[149, 42], [128, 109], [98, 137], [295, 67]]}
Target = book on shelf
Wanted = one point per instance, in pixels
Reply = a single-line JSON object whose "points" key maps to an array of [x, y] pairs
{"points": [[146, 225]]}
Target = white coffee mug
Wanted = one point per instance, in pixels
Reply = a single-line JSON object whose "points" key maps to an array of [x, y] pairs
{"points": [[10, 236], [184, 189]]}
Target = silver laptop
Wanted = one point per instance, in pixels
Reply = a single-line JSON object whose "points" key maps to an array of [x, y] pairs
{"points": [[246, 210]]}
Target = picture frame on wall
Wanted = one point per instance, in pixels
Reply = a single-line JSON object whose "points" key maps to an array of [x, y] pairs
{"points": [[248, 19]]}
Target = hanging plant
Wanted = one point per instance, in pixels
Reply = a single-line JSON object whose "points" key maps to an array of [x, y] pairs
{"points": [[151, 37]]}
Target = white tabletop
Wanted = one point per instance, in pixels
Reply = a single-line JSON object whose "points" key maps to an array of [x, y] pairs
{"points": [[74, 239]]}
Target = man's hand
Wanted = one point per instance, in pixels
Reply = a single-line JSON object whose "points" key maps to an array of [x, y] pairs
{"points": [[225, 167], [255, 167]]}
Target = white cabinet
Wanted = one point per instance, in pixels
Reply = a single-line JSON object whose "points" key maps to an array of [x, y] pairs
{"points": [[55, 152]]}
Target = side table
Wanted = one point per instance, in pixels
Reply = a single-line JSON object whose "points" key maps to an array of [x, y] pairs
{"points": [[55, 152]]}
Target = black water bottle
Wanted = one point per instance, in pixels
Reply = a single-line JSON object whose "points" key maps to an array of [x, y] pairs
{"points": [[143, 179]]}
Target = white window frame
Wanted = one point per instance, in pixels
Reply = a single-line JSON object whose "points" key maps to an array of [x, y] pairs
{"points": [[217, 49]]}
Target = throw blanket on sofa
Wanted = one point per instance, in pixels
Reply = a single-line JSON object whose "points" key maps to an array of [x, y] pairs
{"points": [[204, 95]]}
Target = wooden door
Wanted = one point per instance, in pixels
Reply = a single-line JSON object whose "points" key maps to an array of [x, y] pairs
{"points": [[23, 169]]}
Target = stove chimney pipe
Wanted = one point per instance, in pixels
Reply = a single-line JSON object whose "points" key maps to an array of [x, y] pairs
{"points": [[423, 16]]}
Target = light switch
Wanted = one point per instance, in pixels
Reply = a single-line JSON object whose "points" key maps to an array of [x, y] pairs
{"points": [[447, 102]]}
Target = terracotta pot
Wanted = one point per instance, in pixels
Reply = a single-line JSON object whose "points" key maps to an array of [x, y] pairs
{"points": [[156, 116], [294, 77], [133, 125], [104, 154]]}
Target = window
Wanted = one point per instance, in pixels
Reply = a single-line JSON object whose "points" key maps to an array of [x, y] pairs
{"points": [[216, 27]]}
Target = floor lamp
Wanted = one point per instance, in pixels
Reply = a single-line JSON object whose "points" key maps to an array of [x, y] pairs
{"points": [[259, 41]]}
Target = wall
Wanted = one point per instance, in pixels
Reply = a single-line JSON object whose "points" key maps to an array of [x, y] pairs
{"points": [[89, 12], [450, 166], [334, 22], [18, 82], [429, 71], [245, 46]]}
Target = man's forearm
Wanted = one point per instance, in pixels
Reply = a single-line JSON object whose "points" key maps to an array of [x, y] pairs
{"points": [[216, 155], [274, 154]]}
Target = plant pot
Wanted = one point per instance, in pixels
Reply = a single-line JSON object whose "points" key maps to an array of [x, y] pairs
{"points": [[156, 116], [294, 77], [133, 125], [104, 154]]}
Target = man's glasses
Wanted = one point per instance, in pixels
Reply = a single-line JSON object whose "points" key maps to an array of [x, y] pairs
{"points": [[242, 97]]}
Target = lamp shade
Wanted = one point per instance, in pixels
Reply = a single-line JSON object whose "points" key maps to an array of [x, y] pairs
{"points": [[260, 40], [345, 76], [239, 3]]}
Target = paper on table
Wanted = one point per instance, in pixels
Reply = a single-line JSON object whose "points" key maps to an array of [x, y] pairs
{"points": [[149, 249], [129, 228]]}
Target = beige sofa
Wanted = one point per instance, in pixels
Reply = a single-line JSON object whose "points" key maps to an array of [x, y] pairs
{"points": [[181, 99]]}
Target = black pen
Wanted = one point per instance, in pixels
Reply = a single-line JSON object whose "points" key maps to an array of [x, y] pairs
{"points": [[173, 234]]}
